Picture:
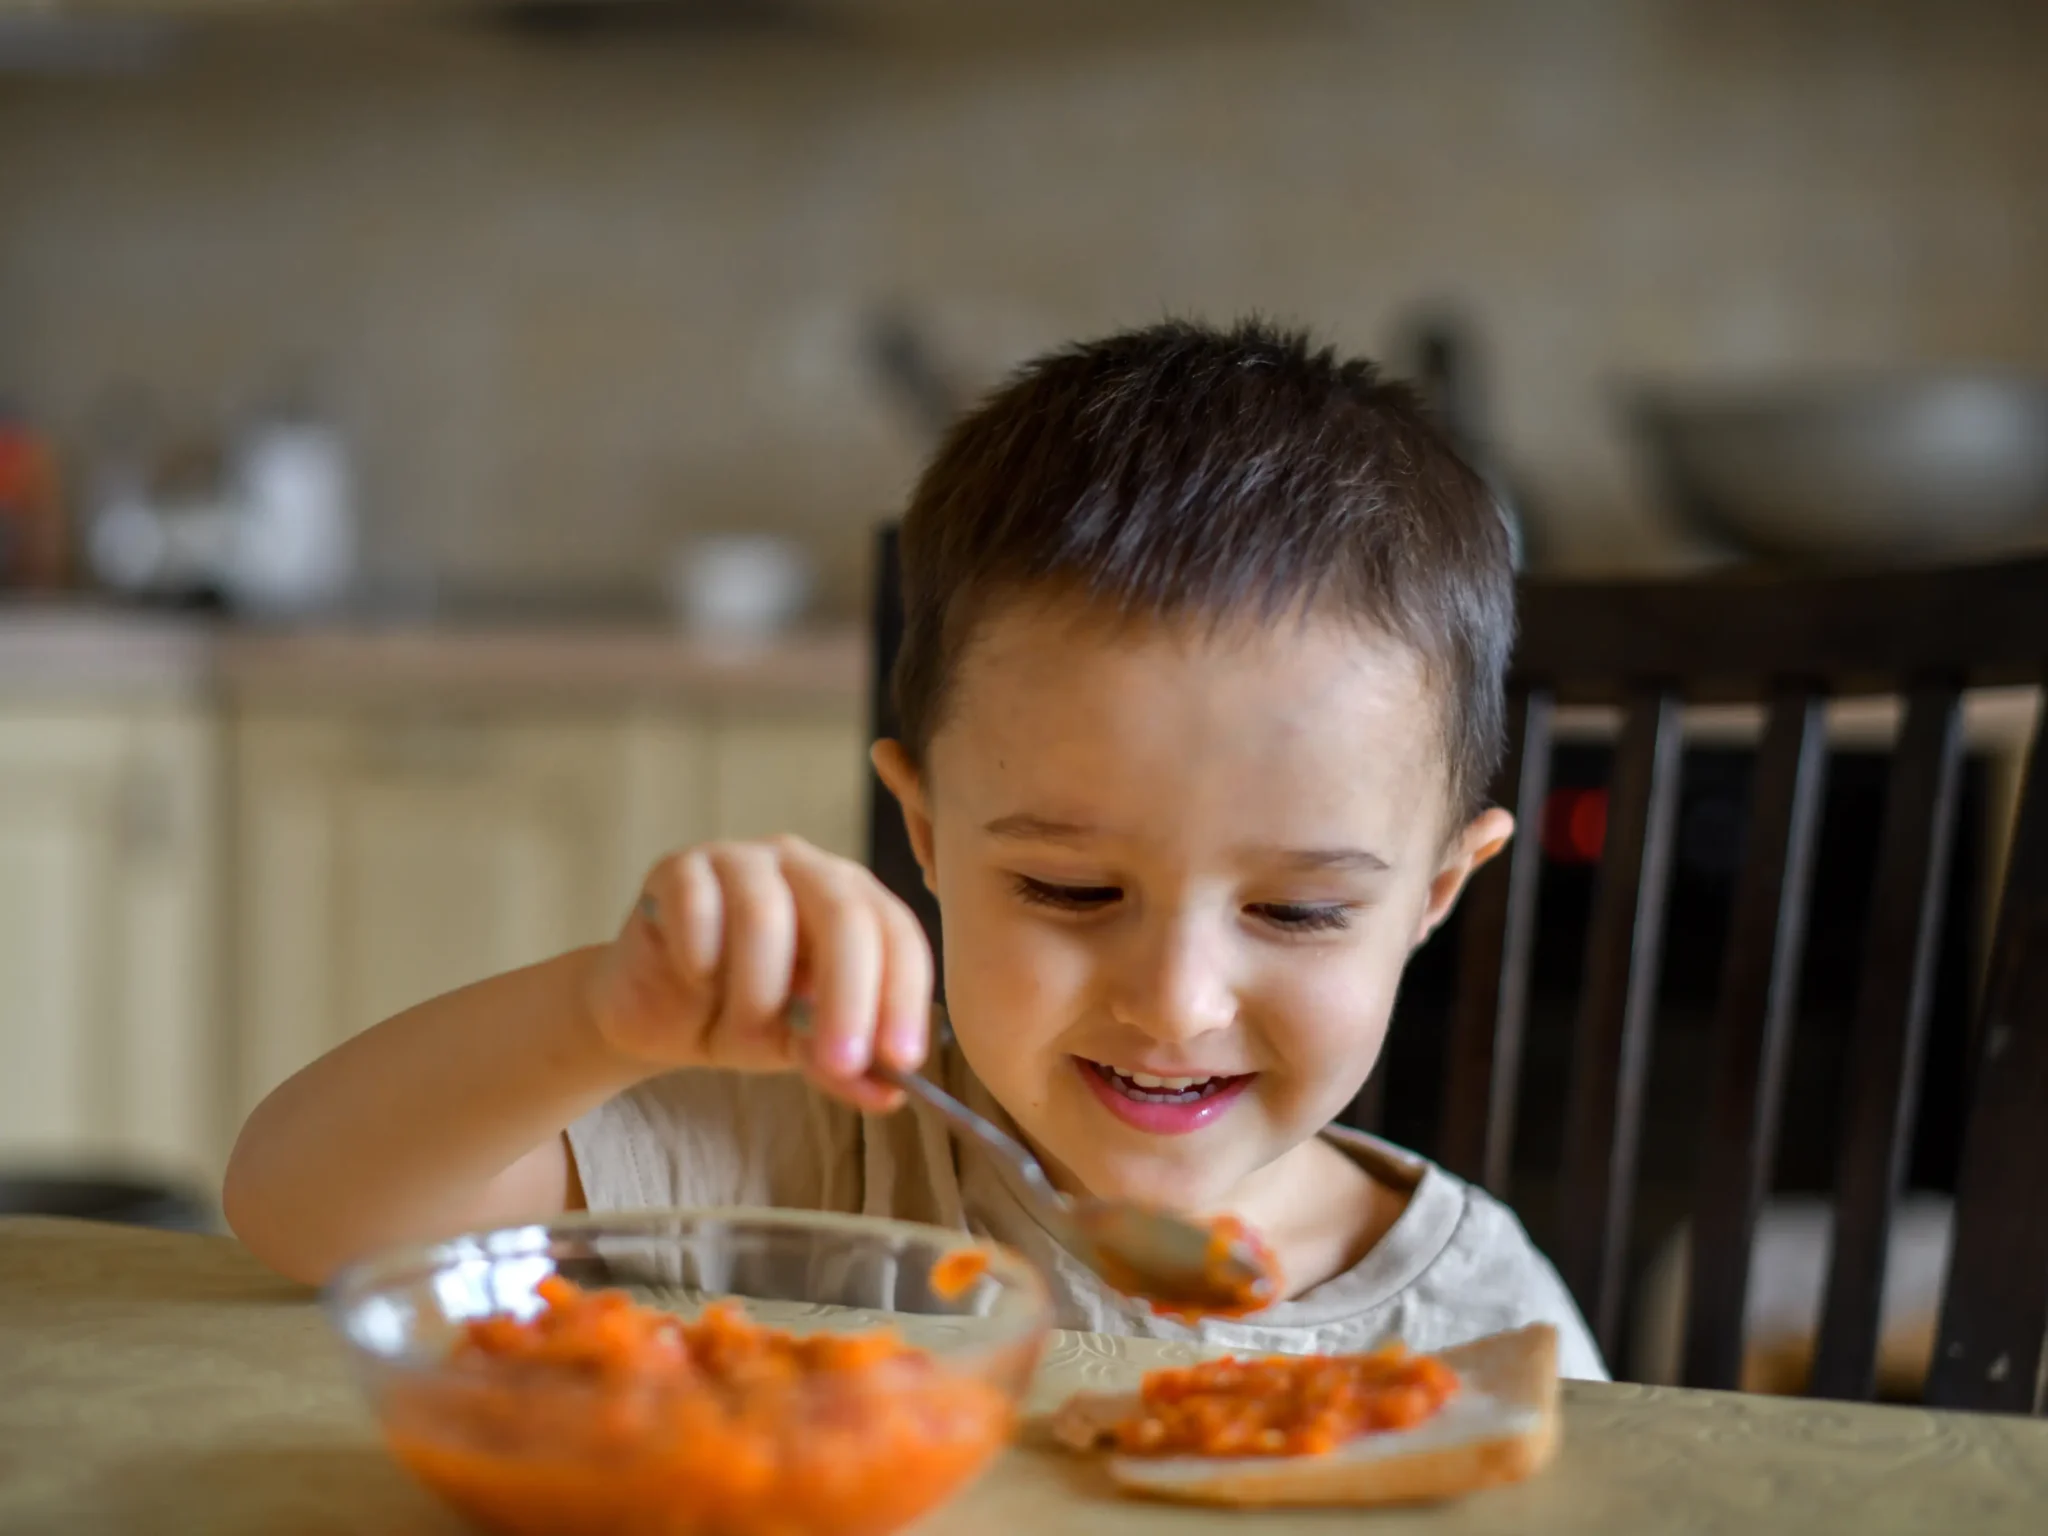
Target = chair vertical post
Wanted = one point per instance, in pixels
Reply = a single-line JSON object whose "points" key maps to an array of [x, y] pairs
{"points": [[1497, 930], [1992, 1348], [889, 851], [1888, 1039], [1752, 1030], [1624, 950]]}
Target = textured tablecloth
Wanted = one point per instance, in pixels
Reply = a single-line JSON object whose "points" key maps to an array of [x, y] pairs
{"points": [[155, 1382]]}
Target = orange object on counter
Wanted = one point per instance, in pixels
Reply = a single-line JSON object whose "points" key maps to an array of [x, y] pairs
{"points": [[954, 1275], [1226, 1235], [602, 1415], [32, 533], [1286, 1405]]}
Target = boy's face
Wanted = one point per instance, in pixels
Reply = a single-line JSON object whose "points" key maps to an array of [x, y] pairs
{"points": [[1167, 854]]}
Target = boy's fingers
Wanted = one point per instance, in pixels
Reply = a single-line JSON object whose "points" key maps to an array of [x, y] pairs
{"points": [[863, 1093], [760, 948], [674, 933], [683, 904], [839, 940], [904, 1036]]}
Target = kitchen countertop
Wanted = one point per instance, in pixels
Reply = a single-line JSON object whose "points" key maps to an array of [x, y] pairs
{"points": [[165, 1382], [69, 651]]}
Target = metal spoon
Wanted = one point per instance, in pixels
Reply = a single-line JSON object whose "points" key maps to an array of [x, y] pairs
{"points": [[1141, 1251]]}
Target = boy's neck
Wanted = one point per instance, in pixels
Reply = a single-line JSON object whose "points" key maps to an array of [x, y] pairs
{"points": [[1322, 1211]]}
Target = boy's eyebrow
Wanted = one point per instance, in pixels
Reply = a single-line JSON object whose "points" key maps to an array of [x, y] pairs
{"points": [[1023, 827], [1330, 858]]}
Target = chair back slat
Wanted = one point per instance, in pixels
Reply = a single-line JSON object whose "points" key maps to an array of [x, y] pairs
{"points": [[1623, 950], [1888, 1037], [1753, 1027], [1495, 938], [1858, 632], [1993, 1341], [889, 851]]}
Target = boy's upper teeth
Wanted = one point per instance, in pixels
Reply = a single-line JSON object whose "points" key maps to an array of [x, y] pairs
{"points": [[1173, 1084]]}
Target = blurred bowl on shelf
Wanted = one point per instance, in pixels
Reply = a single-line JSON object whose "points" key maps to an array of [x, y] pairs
{"points": [[1877, 469]]}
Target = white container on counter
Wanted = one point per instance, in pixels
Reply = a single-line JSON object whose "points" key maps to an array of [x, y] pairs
{"points": [[294, 550], [738, 587]]}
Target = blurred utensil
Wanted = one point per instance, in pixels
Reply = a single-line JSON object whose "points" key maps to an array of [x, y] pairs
{"points": [[1879, 469], [1446, 366], [1136, 1249], [909, 369]]}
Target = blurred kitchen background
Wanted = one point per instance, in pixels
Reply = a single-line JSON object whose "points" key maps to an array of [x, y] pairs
{"points": [[440, 444]]}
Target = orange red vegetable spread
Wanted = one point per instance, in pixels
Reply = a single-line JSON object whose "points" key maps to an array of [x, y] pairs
{"points": [[600, 1414], [954, 1275], [1288, 1405], [1226, 1236]]}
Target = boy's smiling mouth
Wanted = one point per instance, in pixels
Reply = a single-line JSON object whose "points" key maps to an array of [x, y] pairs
{"points": [[1164, 1106]]}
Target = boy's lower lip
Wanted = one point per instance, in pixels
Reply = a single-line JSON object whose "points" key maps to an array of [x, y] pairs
{"points": [[1162, 1118]]}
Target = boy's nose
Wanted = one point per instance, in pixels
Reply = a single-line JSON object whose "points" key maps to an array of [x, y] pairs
{"points": [[1174, 985]]}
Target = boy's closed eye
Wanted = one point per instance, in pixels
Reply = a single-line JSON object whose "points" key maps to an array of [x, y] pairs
{"points": [[1065, 898], [1291, 916]]}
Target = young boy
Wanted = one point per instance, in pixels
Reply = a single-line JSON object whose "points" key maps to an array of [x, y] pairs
{"points": [[1201, 691]]}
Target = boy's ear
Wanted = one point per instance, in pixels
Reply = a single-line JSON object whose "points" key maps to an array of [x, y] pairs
{"points": [[1477, 841], [897, 771]]}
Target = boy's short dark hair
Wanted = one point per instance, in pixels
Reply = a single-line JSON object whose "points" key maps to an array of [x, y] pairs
{"points": [[1181, 470]]}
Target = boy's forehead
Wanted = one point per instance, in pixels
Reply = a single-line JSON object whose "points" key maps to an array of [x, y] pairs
{"points": [[1052, 699], [1058, 643]]}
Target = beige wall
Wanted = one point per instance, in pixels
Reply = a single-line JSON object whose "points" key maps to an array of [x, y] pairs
{"points": [[573, 302]]}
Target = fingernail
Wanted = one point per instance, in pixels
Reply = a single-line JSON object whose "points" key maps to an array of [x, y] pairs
{"points": [[906, 1045], [847, 1057]]}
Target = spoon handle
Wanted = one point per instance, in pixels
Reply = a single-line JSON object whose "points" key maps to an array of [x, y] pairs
{"points": [[963, 1119]]}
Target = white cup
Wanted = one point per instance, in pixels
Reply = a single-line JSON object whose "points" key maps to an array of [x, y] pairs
{"points": [[739, 587]]}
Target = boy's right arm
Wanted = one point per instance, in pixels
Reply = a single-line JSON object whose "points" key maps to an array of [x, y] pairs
{"points": [[452, 1115]]}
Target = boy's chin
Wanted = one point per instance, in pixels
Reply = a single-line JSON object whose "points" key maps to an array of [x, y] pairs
{"points": [[1196, 1186]]}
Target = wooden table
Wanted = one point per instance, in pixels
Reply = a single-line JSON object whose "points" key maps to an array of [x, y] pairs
{"points": [[166, 1383]]}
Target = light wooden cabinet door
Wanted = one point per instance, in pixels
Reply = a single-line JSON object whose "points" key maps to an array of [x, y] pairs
{"points": [[732, 774], [383, 859], [807, 775], [109, 939]]}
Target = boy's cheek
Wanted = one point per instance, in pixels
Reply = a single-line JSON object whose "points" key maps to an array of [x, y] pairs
{"points": [[998, 958], [1337, 1015]]}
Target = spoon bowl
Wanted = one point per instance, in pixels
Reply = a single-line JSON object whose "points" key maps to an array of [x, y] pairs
{"points": [[1185, 1268]]}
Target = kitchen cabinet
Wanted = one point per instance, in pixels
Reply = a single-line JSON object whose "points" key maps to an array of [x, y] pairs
{"points": [[224, 851], [385, 855], [802, 775], [110, 1048]]}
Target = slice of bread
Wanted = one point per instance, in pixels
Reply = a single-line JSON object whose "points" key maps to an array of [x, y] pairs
{"points": [[1500, 1426]]}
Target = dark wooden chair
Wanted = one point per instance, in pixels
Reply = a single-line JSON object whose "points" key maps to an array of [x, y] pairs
{"points": [[889, 854], [1789, 643]]}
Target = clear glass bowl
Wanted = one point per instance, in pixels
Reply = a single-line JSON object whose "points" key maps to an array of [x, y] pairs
{"points": [[552, 1449]]}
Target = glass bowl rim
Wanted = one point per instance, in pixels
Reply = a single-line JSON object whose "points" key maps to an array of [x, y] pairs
{"points": [[365, 1277]]}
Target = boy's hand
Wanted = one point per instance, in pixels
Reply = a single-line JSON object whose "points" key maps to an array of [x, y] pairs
{"points": [[725, 935]]}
